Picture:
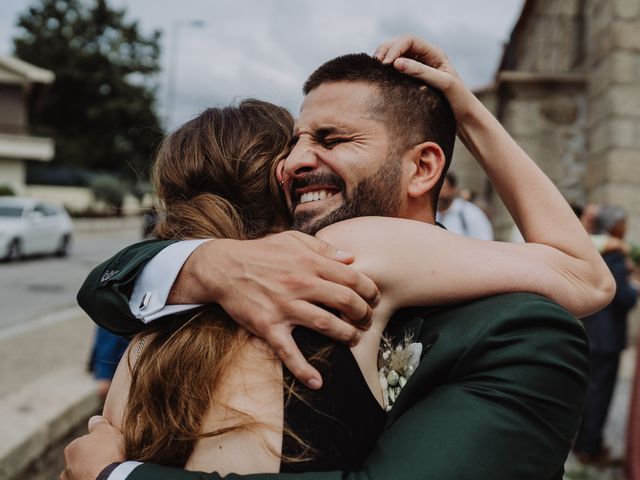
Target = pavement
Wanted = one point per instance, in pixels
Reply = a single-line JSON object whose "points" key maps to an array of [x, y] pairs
{"points": [[45, 391], [46, 394], [616, 427]]}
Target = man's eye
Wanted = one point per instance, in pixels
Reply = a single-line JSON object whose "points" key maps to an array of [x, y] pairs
{"points": [[332, 142]]}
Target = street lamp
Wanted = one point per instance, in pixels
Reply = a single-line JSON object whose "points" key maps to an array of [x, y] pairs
{"points": [[173, 64]]}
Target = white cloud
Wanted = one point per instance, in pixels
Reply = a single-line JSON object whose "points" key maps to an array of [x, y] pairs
{"points": [[266, 48]]}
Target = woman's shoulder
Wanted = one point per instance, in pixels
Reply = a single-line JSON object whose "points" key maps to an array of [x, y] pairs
{"points": [[370, 229]]}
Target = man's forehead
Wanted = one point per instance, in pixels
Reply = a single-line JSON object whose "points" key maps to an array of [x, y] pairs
{"points": [[340, 107]]}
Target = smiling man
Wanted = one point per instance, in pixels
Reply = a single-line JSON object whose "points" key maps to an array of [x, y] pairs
{"points": [[498, 392], [354, 127], [339, 171]]}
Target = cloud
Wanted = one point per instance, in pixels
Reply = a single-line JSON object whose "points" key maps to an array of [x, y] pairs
{"points": [[266, 48]]}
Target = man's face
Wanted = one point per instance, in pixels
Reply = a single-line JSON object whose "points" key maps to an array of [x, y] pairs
{"points": [[341, 165]]}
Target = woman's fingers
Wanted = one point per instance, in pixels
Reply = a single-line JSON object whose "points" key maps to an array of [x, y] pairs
{"points": [[394, 48], [410, 47], [285, 347], [432, 76]]}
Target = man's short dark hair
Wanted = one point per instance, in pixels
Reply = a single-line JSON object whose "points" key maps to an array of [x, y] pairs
{"points": [[413, 111]]}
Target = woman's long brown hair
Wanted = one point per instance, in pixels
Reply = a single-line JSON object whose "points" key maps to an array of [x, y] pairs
{"points": [[214, 178]]}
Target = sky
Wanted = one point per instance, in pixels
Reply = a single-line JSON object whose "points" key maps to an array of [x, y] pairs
{"points": [[266, 48]]}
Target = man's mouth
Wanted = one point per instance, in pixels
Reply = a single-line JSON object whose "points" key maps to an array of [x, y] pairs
{"points": [[315, 187], [316, 195]]}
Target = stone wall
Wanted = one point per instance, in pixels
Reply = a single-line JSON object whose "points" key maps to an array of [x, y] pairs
{"points": [[550, 38], [570, 95], [470, 175], [613, 172]]}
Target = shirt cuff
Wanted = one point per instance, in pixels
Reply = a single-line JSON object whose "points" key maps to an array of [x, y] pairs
{"points": [[122, 471], [149, 297]]}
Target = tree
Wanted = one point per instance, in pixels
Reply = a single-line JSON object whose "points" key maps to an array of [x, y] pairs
{"points": [[101, 106], [107, 189]]}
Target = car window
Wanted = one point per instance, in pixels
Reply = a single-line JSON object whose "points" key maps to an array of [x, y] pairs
{"points": [[40, 208], [9, 211], [50, 210]]}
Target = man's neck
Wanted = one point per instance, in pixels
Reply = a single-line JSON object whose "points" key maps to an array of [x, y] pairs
{"points": [[419, 214]]}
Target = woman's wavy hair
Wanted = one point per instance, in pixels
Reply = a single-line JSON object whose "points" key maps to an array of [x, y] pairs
{"points": [[214, 177]]}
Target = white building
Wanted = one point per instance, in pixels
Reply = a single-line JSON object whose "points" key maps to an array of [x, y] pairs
{"points": [[19, 82]]}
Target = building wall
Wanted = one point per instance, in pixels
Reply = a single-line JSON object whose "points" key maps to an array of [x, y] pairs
{"points": [[550, 40], [12, 173], [548, 119], [80, 199], [13, 115], [585, 136], [470, 175], [613, 172]]}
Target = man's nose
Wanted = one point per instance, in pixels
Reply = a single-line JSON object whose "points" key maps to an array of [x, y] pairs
{"points": [[301, 160]]}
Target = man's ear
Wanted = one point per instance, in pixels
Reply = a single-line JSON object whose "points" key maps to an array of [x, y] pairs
{"points": [[427, 162]]}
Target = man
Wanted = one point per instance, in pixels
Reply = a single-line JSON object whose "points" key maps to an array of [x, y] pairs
{"points": [[498, 390], [460, 216], [607, 333]]}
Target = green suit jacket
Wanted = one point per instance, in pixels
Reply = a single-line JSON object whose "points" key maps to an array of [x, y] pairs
{"points": [[498, 393]]}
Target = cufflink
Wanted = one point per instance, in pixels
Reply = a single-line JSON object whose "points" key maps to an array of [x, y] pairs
{"points": [[145, 301]]}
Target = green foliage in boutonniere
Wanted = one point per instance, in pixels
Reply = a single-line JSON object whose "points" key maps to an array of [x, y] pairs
{"points": [[396, 364]]}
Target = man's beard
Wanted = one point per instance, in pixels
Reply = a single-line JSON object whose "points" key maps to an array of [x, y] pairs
{"points": [[377, 195]]}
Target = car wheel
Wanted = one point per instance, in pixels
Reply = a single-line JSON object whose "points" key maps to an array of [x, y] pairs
{"points": [[63, 246], [14, 251]]}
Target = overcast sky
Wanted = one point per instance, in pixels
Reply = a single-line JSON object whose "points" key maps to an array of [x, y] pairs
{"points": [[266, 48]]}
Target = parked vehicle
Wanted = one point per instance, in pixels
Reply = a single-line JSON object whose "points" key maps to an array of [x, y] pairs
{"points": [[30, 227]]}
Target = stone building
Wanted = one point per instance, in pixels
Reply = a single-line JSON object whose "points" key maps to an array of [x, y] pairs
{"points": [[20, 83], [568, 90]]}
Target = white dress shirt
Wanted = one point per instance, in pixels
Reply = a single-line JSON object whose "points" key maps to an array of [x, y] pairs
{"points": [[466, 218], [150, 292], [122, 471]]}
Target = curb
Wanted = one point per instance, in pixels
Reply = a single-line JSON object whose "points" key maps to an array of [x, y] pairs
{"points": [[97, 225], [46, 409], [41, 414]]}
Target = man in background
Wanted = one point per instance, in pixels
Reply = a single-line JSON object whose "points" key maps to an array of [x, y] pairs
{"points": [[607, 333], [460, 216]]}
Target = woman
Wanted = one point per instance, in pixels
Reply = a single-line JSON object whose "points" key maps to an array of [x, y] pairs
{"points": [[208, 386]]}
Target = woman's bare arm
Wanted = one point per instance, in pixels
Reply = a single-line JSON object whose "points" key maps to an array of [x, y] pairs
{"points": [[416, 263], [115, 404], [422, 264]]}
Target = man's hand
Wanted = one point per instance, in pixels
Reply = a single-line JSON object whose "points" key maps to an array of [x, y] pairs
{"points": [[88, 455], [271, 285]]}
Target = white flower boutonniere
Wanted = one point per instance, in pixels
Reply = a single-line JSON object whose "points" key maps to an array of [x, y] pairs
{"points": [[396, 365]]}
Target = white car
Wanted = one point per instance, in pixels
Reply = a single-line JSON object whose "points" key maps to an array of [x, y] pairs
{"points": [[29, 227]]}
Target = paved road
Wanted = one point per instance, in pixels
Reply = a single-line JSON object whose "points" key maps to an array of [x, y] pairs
{"points": [[41, 286]]}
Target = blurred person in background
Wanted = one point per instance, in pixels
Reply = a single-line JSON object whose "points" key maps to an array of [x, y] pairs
{"points": [[604, 241], [607, 333], [461, 216], [107, 351]]}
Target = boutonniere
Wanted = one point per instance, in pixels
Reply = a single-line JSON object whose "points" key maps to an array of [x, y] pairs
{"points": [[397, 364]]}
